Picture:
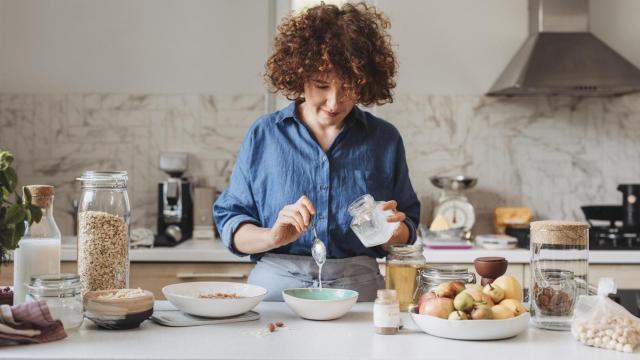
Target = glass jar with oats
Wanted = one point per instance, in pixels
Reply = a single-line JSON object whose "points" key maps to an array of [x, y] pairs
{"points": [[103, 231], [402, 268]]}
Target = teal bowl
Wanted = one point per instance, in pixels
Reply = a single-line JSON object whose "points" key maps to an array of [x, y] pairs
{"points": [[320, 304]]}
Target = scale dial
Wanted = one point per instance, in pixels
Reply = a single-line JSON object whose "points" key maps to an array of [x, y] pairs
{"points": [[458, 212]]}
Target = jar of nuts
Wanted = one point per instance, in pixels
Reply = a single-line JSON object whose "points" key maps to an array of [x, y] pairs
{"points": [[103, 231], [559, 269]]}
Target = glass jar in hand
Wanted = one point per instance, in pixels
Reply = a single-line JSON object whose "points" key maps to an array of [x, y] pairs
{"points": [[402, 267]]}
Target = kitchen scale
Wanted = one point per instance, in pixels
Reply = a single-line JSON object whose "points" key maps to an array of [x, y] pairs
{"points": [[453, 205]]}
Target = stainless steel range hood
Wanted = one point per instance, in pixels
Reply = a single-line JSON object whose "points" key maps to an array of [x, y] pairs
{"points": [[561, 57]]}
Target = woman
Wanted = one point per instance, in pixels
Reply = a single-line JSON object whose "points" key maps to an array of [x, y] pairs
{"points": [[307, 162]]}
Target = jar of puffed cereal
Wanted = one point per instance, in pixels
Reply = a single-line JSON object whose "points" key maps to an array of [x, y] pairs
{"points": [[103, 231]]}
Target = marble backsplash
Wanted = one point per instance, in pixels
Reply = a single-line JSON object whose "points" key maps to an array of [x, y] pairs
{"points": [[553, 154]]}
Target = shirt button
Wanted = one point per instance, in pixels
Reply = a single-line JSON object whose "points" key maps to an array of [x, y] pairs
{"points": [[323, 187], [321, 217]]}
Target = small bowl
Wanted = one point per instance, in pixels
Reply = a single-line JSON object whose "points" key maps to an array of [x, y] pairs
{"points": [[118, 313], [186, 297], [490, 267], [320, 304]]}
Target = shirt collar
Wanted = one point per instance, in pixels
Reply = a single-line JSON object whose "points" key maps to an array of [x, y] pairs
{"points": [[356, 115]]}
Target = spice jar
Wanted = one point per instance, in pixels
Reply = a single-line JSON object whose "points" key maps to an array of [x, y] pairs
{"points": [[61, 292], [103, 231], [369, 221], [559, 270], [386, 312], [433, 275], [402, 266]]}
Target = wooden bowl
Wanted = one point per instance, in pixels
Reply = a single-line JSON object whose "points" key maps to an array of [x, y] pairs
{"points": [[490, 267], [117, 313]]}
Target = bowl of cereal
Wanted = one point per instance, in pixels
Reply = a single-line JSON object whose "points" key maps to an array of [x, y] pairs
{"points": [[214, 299], [118, 309]]}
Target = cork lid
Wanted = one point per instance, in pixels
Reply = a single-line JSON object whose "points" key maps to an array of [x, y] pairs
{"points": [[41, 195], [559, 232]]}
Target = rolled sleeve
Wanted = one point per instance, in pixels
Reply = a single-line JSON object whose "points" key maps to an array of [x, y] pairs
{"points": [[230, 228]]}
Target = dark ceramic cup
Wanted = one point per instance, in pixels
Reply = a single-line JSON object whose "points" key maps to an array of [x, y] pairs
{"points": [[490, 268]]}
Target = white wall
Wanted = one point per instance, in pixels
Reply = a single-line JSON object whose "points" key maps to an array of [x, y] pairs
{"points": [[125, 46], [453, 47], [617, 22]]}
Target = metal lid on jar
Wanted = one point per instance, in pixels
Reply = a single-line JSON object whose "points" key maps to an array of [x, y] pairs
{"points": [[103, 179], [60, 283], [555, 232], [447, 273]]}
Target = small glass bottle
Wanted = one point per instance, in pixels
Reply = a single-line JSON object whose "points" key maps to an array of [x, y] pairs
{"points": [[369, 221], [386, 312], [103, 231], [402, 267], [559, 271], [62, 295], [38, 251]]}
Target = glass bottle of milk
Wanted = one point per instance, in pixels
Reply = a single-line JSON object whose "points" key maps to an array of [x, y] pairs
{"points": [[38, 251]]}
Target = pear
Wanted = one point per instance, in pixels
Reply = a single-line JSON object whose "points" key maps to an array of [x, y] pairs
{"points": [[511, 286], [502, 312], [481, 312], [494, 291], [458, 315], [514, 305], [463, 301]]}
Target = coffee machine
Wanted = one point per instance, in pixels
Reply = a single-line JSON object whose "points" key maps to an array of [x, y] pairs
{"points": [[175, 205]]}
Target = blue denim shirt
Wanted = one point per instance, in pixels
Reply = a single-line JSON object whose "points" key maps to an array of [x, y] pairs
{"points": [[280, 159]]}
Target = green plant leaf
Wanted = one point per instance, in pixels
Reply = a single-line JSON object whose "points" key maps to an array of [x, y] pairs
{"points": [[12, 177], [9, 233], [36, 214], [4, 180], [27, 195], [19, 233], [15, 214]]}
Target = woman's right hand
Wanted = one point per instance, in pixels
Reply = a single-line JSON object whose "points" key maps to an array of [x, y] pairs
{"points": [[292, 221]]}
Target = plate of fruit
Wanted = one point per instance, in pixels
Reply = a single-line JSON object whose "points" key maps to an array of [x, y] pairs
{"points": [[455, 310]]}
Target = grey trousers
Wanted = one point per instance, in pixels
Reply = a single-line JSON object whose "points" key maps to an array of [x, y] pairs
{"points": [[276, 272]]}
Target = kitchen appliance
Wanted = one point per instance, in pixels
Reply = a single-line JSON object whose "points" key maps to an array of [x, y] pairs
{"points": [[175, 207], [607, 232], [630, 206], [452, 204], [562, 57], [203, 198]]}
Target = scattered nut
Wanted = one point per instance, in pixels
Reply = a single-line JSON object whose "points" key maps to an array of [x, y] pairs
{"points": [[279, 324], [271, 327]]}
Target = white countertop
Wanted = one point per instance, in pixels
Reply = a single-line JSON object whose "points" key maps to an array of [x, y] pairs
{"points": [[351, 337], [214, 251]]}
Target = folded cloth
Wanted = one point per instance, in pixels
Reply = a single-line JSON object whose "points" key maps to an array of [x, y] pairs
{"points": [[29, 323]]}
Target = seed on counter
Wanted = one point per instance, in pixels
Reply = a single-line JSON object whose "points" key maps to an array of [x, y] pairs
{"points": [[271, 327]]}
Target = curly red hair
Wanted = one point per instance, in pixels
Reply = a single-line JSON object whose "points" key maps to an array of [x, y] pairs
{"points": [[351, 41]]}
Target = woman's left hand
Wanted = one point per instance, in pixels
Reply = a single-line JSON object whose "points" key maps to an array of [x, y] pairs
{"points": [[401, 234]]}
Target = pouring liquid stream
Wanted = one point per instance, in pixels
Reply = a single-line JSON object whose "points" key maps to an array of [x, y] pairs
{"points": [[319, 253]]}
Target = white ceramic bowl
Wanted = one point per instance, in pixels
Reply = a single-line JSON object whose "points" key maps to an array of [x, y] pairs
{"points": [[320, 304], [186, 297], [472, 329]]}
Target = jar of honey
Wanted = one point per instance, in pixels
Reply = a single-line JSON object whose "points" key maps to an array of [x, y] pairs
{"points": [[402, 267]]}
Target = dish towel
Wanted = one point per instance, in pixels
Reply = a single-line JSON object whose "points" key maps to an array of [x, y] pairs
{"points": [[29, 323]]}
